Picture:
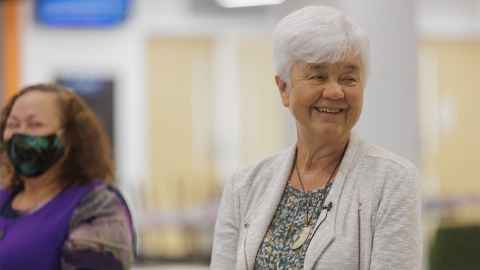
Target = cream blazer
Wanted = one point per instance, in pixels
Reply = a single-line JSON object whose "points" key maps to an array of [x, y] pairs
{"points": [[374, 222]]}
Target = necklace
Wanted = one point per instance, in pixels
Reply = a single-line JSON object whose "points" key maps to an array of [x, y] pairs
{"points": [[307, 228]]}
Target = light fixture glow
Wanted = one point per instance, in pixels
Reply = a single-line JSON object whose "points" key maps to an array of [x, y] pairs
{"points": [[248, 3]]}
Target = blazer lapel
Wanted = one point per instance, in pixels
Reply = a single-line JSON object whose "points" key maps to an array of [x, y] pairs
{"points": [[259, 220], [326, 231]]}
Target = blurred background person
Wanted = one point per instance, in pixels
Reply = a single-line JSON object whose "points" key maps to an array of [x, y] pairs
{"points": [[331, 201], [58, 209]]}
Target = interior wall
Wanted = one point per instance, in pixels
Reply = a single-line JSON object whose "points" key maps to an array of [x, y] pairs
{"points": [[179, 104], [450, 135], [263, 116]]}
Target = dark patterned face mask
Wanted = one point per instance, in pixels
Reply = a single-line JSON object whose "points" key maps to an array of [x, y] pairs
{"points": [[33, 155]]}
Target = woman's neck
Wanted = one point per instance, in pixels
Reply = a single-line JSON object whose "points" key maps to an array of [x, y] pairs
{"points": [[39, 189], [314, 154], [316, 162]]}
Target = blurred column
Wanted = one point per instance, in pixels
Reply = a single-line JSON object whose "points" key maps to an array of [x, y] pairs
{"points": [[227, 116], [9, 49], [390, 115]]}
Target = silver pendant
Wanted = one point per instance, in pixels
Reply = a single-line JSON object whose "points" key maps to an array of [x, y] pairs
{"points": [[302, 237]]}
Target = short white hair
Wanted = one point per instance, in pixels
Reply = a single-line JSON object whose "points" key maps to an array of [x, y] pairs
{"points": [[316, 34]]}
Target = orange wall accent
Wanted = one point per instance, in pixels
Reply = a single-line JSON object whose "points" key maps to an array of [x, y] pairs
{"points": [[10, 47]]}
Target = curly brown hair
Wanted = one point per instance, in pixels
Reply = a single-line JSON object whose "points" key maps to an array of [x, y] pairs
{"points": [[87, 146]]}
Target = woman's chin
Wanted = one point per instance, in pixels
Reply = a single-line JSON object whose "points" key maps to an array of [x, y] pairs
{"points": [[331, 131]]}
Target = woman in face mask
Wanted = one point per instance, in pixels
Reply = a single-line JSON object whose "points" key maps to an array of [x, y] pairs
{"points": [[57, 209]]}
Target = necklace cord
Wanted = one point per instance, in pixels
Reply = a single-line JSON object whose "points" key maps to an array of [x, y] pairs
{"points": [[325, 193]]}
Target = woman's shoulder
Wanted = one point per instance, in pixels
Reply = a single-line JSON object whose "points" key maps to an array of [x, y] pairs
{"points": [[100, 230], [379, 157], [102, 200], [103, 193], [386, 171]]}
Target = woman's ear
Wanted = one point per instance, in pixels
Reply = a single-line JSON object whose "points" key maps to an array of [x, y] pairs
{"points": [[284, 91]]}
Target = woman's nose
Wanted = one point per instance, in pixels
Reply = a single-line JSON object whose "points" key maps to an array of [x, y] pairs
{"points": [[333, 90]]}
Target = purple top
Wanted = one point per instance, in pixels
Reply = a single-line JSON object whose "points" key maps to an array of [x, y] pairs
{"points": [[100, 232], [35, 240]]}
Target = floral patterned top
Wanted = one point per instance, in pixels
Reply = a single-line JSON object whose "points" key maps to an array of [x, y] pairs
{"points": [[276, 250]]}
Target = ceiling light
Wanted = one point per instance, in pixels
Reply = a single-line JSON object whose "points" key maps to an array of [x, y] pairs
{"points": [[248, 3]]}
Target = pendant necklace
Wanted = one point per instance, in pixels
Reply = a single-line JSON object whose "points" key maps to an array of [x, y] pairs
{"points": [[307, 228]]}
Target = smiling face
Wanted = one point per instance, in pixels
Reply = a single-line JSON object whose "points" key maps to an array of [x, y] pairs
{"points": [[326, 98], [34, 113]]}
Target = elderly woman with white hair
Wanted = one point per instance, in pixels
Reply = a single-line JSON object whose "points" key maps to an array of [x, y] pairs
{"points": [[331, 201]]}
